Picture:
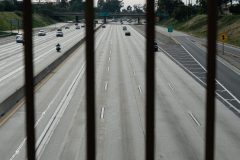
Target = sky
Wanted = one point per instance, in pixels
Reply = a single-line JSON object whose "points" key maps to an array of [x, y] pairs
{"points": [[132, 2]]}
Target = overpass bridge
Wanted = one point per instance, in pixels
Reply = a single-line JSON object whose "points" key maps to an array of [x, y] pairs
{"points": [[103, 15]]}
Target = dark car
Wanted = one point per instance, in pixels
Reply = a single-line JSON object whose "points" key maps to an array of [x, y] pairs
{"points": [[124, 28], [103, 26], [155, 46], [59, 29], [127, 33], [66, 27]]}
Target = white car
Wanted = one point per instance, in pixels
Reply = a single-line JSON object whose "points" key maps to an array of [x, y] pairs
{"points": [[19, 38], [59, 34], [41, 33]]}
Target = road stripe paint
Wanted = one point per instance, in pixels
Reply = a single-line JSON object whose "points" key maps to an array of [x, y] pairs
{"points": [[109, 58], [140, 89], [221, 91], [134, 73], [194, 119], [171, 86], [106, 86], [44, 112], [191, 64], [102, 112], [231, 99], [199, 72], [108, 68], [192, 73]]}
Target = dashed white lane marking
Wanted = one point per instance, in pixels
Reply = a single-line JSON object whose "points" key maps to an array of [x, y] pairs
{"points": [[194, 119], [221, 91], [108, 68], [170, 86], [134, 73], [106, 86], [109, 58], [102, 112], [140, 89]]}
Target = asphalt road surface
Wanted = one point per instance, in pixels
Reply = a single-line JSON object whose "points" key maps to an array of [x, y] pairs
{"points": [[120, 111], [188, 53], [44, 50]]}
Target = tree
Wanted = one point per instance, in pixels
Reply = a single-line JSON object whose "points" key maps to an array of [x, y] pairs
{"points": [[129, 8], [111, 6], [137, 8], [168, 6], [77, 5]]}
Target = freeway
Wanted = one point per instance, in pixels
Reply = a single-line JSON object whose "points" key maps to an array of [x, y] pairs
{"points": [[120, 111], [191, 56], [11, 57]]}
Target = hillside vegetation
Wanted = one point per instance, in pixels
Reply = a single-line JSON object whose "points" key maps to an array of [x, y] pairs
{"points": [[197, 26], [38, 20]]}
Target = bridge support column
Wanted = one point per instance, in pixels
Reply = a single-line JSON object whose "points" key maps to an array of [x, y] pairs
{"points": [[76, 19], [138, 20], [105, 20]]}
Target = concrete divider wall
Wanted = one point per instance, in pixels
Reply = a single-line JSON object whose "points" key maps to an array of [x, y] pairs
{"points": [[14, 98]]}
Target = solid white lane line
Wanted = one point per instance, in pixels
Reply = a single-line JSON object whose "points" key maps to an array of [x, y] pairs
{"points": [[194, 119], [231, 99], [140, 89], [43, 114], [106, 86], [102, 112], [221, 91]]}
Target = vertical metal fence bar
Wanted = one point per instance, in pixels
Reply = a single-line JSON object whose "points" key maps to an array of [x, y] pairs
{"points": [[29, 87], [150, 81], [211, 74], [90, 81]]}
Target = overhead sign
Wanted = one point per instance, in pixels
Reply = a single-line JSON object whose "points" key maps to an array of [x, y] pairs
{"points": [[170, 29], [223, 37], [15, 22], [103, 14]]}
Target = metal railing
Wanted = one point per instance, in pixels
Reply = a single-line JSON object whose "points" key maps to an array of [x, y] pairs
{"points": [[150, 75]]}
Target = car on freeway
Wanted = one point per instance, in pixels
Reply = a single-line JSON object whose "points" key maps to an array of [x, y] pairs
{"points": [[20, 38], [155, 46], [59, 29], [67, 27], [83, 25], [103, 26], [41, 33], [77, 27], [59, 34], [127, 33], [124, 28]]}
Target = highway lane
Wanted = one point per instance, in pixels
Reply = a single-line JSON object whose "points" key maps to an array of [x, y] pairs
{"points": [[193, 59], [9, 39], [120, 112], [50, 94], [11, 77]]}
